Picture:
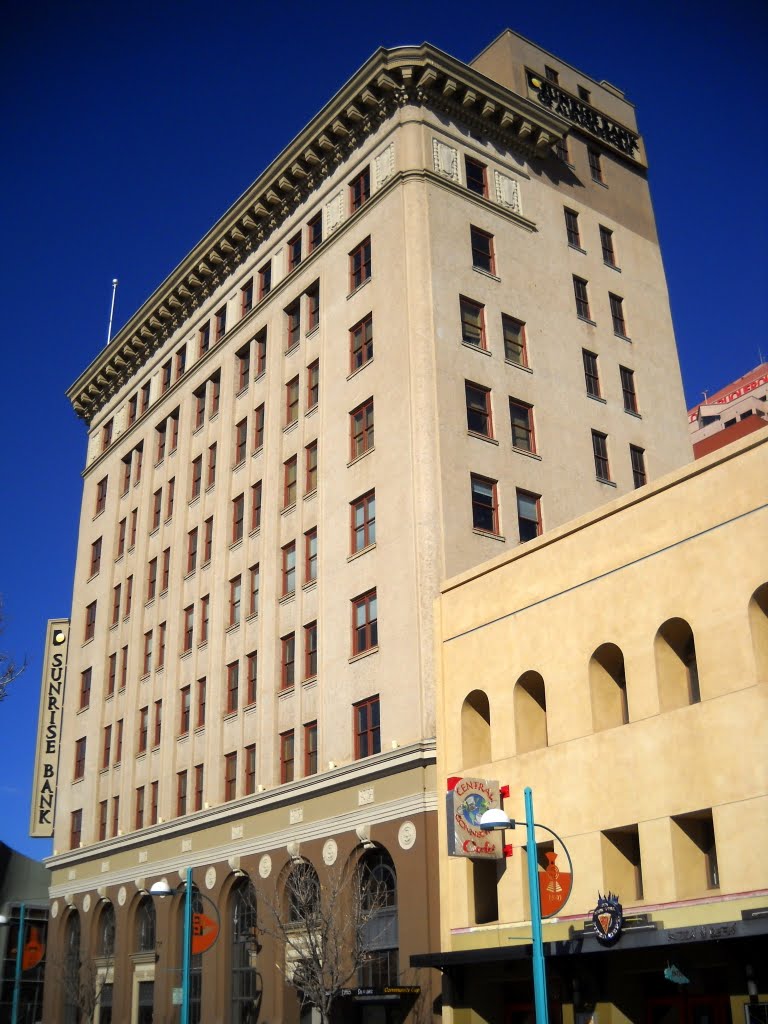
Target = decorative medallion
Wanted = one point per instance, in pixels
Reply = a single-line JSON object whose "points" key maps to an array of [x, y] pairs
{"points": [[86, 902], [330, 852], [607, 917], [210, 877], [122, 895], [265, 866], [55, 908], [406, 835]]}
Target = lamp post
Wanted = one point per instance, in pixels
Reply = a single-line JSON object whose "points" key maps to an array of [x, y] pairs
{"points": [[19, 960], [162, 888]]}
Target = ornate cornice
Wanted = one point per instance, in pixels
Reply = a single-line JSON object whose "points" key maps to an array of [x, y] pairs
{"points": [[391, 79]]}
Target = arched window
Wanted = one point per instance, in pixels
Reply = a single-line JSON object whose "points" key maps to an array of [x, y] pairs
{"points": [[378, 924], [758, 624], [476, 729], [608, 688], [106, 941], [72, 968], [530, 712], [302, 893], [145, 926], [244, 949], [676, 666]]}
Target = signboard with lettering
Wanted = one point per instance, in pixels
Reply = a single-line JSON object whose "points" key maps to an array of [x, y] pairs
{"points": [[466, 801], [49, 729], [205, 931]]}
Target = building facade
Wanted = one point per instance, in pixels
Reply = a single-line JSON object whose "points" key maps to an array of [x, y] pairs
{"points": [[732, 412], [642, 733], [435, 327]]}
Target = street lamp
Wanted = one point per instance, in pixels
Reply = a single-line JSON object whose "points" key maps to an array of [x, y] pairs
{"points": [[19, 957], [162, 888]]}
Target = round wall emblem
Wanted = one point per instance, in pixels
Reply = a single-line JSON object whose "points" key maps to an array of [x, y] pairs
{"points": [[330, 852], [265, 866], [86, 902], [122, 895], [406, 835], [210, 877], [55, 908]]}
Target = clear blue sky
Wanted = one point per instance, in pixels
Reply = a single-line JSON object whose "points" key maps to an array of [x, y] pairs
{"points": [[128, 129]]}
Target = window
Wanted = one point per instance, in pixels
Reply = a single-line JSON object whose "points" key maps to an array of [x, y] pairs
{"points": [[515, 349], [238, 517], [204, 337], [154, 794], [143, 729], [188, 628], [199, 783], [115, 814], [637, 459], [210, 475], [157, 509], [363, 522], [482, 250], [192, 550], [181, 361], [561, 150], [86, 678], [133, 409], [250, 769], [123, 667], [151, 578], [126, 474], [367, 727], [256, 506], [147, 663], [205, 611], [628, 389], [79, 758], [528, 515], [169, 497], [200, 703], [584, 94], [233, 684], [292, 401], [287, 660], [162, 629], [75, 829], [286, 756], [476, 180], [158, 727], [572, 228], [106, 746], [95, 557], [166, 574], [365, 624], [310, 748], [521, 420], [310, 650], [253, 590], [258, 427], [103, 814], [485, 508], [622, 865], [252, 666], [310, 480], [478, 400], [361, 343], [128, 596], [289, 569], [181, 793], [361, 429], [694, 852], [606, 244], [313, 384], [551, 75], [214, 393], [359, 190], [121, 538], [184, 708], [116, 592], [582, 297], [313, 307], [90, 622], [145, 395], [600, 451], [472, 323], [243, 368], [111, 673], [235, 590], [591, 375], [314, 232], [261, 351], [293, 325], [241, 441], [166, 375], [197, 477], [360, 264], [265, 279], [310, 555], [101, 495], [221, 323], [294, 252], [139, 817], [246, 297], [617, 315], [289, 482], [595, 166], [119, 742]]}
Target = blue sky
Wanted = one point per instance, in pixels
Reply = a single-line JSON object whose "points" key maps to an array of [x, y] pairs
{"points": [[129, 129]]}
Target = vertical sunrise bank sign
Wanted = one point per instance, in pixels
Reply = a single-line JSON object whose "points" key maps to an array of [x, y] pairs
{"points": [[49, 728]]}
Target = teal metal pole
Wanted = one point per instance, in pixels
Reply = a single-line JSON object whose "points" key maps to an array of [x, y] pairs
{"points": [[186, 963], [539, 969], [19, 959]]}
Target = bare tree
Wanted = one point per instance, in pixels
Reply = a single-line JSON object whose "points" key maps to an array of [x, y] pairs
{"points": [[9, 669], [83, 980], [329, 929]]}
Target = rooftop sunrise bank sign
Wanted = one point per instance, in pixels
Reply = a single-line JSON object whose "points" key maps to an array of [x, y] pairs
{"points": [[49, 728]]}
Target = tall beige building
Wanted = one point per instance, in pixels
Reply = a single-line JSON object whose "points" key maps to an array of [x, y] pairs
{"points": [[435, 326]]}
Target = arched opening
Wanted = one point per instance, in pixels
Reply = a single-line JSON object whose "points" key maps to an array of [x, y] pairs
{"points": [[608, 688], [244, 947], [144, 943], [146, 926], [758, 624], [476, 728], [380, 936], [676, 665], [302, 893], [106, 937], [530, 701], [72, 968]]}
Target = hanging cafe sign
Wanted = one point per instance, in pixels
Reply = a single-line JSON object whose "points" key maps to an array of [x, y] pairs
{"points": [[466, 801]]}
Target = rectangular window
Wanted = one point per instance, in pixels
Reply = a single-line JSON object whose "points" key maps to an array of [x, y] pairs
{"points": [[359, 190], [173, 429], [551, 75], [361, 429], [133, 410], [310, 555], [241, 442], [310, 650], [584, 94], [250, 769], [221, 323], [205, 612], [76, 829], [289, 482], [116, 600], [294, 252], [197, 477], [162, 629], [521, 421], [157, 509], [199, 784], [528, 515], [313, 307], [238, 518], [253, 590], [139, 817], [95, 557], [200, 703], [591, 374], [292, 325], [472, 323], [188, 629], [115, 815], [482, 250], [192, 550], [166, 574], [126, 474], [101, 495], [363, 522], [476, 176], [637, 458], [256, 506], [628, 389], [485, 507], [258, 427], [252, 666], [243, 368], [90, 622], [360, 264], [291, 401], [181, 793], [103, 816], [310, 748], [214, 395], [595, 166], [85, 686], [365, 623], [289, 569], [80, 758], [310, 463], [572, 228], [600, 451], [246, 298], [207, 540], [166, 376], [128, 596], [261, 351], [145, 396], [622, 866], [112, 674], [478, 401], [582, 297], [147, 663], [287, 660], [154, 796], [121, 527], [314, 232], [151, 579], [106, 748], [119, 742], [515, 350], [361, 343], [367, 727], [606, 244], [185, 697], [204, 337], [143, 729], [617, 315], [230, 775], [265, 279], [181, 361], [235, 594], [233, 685], [561, 150], [158, 723], [286, 756], [694, 850], [169, 498], [313, 384], [210, 475], [123, 667]]}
